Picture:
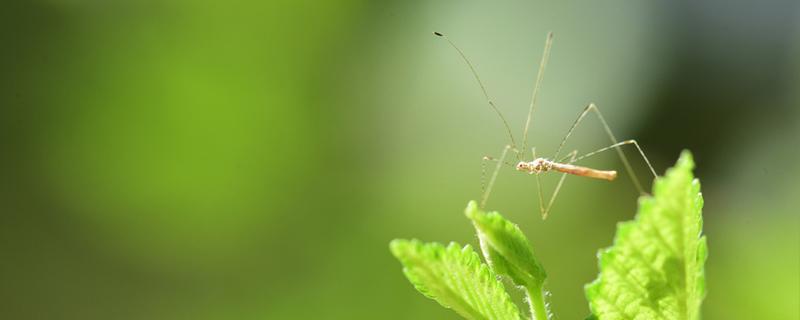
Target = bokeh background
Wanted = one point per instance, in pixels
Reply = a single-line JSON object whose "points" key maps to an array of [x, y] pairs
{"points": [[252, 160]]}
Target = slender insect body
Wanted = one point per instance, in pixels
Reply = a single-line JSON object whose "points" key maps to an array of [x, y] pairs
{"points": [[540, 165], [537, 166]]}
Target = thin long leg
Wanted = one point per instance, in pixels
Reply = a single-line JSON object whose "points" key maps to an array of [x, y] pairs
{"points": [[540, 75], [625, 162], [483, 169], [539, 188], [546, 210], [488, 189], [619, 144]]}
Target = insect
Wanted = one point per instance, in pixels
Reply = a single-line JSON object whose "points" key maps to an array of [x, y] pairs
{"points": [[540, 165]]}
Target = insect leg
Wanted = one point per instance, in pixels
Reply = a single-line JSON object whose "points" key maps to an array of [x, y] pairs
{"points": [[619, 144], [615, 145], [546, 210], [539, 189], [539, 76], [488, 189]]}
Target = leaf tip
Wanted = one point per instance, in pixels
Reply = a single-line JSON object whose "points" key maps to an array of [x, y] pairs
{"points": [[396, 246], [400, 247], [472, 210], [686, 160]]}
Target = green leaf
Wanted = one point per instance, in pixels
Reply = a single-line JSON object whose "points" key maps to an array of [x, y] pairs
{"points": [[506, 249], [655, 269], [456, 278]]}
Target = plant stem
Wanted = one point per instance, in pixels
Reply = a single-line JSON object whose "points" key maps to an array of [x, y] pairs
{"points": [[536, 302]]}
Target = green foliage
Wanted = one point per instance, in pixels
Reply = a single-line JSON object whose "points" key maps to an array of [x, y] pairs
{"points": [[654, 270], [506, 248], [456, 278]]}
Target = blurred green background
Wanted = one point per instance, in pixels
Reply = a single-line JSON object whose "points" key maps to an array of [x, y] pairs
{"points": [[252, 160]]}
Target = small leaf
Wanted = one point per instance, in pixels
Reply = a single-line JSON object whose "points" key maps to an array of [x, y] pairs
{"points": [[456, 278], [506, 248], [655, 269]]}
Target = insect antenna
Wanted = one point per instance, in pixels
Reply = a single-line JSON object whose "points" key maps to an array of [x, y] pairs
{"points": [[483, 89]]}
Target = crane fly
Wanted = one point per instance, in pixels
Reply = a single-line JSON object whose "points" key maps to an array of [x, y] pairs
{"points": [[540, 165]]}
